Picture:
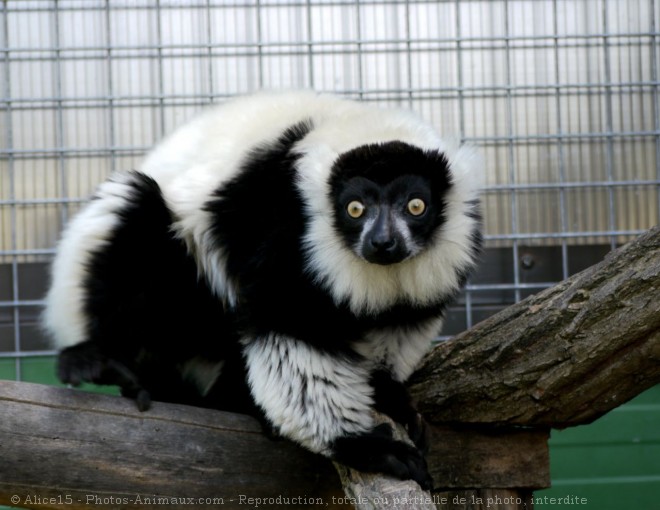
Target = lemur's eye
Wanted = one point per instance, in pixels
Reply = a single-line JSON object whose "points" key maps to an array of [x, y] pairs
{"points": [[416, 206], [355, 209]]}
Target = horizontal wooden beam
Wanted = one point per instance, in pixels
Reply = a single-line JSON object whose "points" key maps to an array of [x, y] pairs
{"points": [[74, 448], [81, 448], [489, 458]]}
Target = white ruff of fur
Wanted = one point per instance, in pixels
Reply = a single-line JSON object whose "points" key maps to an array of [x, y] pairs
{"points": [[310, 396], [399, 349], [87, 233], [419, 280]]}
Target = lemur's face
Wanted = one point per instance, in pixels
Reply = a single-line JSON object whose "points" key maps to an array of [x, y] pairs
{"points": [[388, 200]]}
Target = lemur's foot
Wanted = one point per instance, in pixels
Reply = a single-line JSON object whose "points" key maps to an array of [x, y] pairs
{"points": [[85, 362], [377, 451]]}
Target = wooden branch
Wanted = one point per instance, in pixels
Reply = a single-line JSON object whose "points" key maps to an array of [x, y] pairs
{"points": [[459, 458], [370, 491], [76, 449], [562, 357], [70, 448]]}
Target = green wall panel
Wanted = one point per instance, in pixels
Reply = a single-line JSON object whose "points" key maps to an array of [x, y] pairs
{"points": [[41, 369], [614, 463]]}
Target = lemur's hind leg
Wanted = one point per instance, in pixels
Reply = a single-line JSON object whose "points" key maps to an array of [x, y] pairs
{"points": [[85, 362]]}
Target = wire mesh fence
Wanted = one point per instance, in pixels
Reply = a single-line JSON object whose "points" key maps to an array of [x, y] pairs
{"points": [[561, 96]]}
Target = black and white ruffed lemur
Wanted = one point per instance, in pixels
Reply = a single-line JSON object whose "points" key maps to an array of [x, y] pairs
{"points": [[285, 254]]}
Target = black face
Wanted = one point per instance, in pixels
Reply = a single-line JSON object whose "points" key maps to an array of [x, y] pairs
{"points": [[389, 200]]}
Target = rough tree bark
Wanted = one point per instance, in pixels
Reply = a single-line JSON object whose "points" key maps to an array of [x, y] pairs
{"points": [[562, 357]]}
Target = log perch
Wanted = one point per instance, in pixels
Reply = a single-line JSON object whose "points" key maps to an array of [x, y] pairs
{"points": [[560, 358], [79, 450]]}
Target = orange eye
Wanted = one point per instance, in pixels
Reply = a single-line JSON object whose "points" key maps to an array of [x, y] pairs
{"points": [[416, 206], [355, 209]]}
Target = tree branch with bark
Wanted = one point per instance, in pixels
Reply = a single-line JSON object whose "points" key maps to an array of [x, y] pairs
{"points": [[560, 358]]}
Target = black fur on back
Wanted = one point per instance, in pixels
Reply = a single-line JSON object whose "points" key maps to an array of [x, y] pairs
{"points": [[148, 307]]}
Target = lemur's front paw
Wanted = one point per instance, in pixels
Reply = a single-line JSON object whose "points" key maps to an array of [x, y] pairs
{"points": [[377, 451], [85, 362]]}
